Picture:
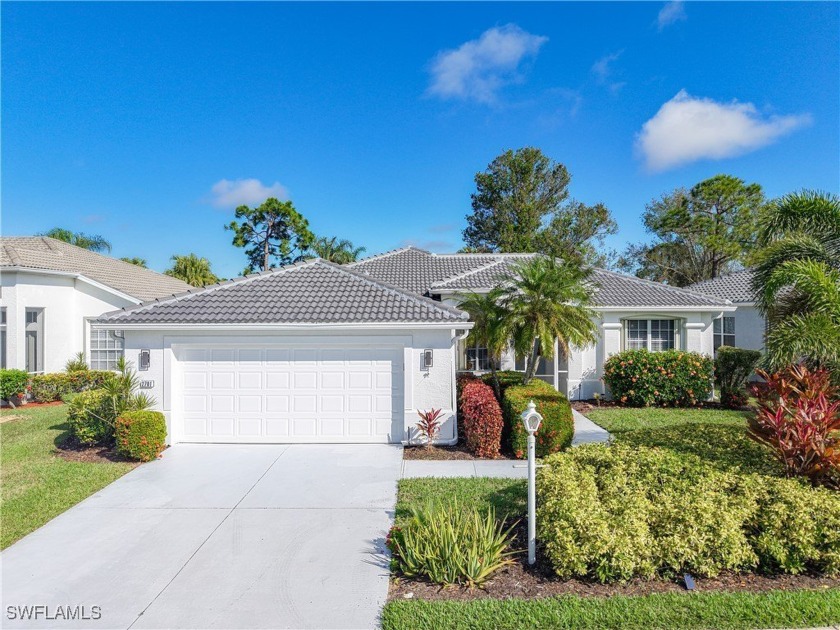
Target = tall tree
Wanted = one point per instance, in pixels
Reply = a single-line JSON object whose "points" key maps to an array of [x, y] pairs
{"points": [[134, 260], [273, 230], [521, 205], [700, 233], [192, 269], [546, 300], [92, 242], [490, 326], [797, 280], [333, 249]]}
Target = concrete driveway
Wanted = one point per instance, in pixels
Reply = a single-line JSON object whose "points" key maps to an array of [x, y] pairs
{"points": [[217, 536]]}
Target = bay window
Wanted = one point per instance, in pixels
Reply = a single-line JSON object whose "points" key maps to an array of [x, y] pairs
{"points": [[651, 334]]}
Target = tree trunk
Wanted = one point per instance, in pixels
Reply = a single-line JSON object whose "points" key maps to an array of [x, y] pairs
{"points": [[497, 387], [531, 368]]}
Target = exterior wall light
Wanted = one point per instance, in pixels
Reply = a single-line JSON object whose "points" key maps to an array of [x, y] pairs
{"points": [[145, 360], [428, 359]]}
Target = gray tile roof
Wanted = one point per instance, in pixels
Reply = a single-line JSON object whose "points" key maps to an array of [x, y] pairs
{"points": [[49, 254], [736, 286], [421, 271], [311, 292]]}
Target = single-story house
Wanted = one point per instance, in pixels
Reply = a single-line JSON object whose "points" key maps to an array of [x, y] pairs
{"points": [[51, 290], [318, 352], [746, 327]]}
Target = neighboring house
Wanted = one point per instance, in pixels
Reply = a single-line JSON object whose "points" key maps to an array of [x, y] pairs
{"points": [[50, 290], [746, 327], [633, 313], [318, 352]]}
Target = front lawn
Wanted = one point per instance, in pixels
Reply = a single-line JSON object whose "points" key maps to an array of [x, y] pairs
{"points": [[773, 609], [520, 597], [716, 435], [37, 485]]}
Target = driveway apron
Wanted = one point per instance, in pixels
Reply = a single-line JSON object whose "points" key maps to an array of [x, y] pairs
{"points": [[216, 536]]}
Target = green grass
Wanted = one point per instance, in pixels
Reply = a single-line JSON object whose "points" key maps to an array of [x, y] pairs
{"points": [[773, 609], [36, 484], [508, 496], [718, 436]]}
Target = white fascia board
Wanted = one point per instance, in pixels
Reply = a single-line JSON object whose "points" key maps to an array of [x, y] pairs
{"points": [[116, 325], [667, 309], [75, 276]]}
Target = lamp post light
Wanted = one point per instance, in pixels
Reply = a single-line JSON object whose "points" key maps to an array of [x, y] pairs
{"points": [[531, 419]]}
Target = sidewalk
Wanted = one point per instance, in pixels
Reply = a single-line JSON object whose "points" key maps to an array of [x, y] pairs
{"points": [[586, 432]]}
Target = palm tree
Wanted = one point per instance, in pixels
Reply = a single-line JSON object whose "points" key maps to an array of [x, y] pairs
{"points": [[545, 300], [134, 260], [192, 270], [333, 249], [490, 328], [797, 279], [93, 242]]}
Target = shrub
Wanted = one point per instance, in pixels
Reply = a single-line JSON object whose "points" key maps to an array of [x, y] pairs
{"points": [[733, 368], [672, 378], [482, 419], [140, 434], [614, 513], [12, 383], [429, 425], [50, 387], [448, 544], [77, 363], [798, 418], [506, 379], [91, 417], [557, 428]]}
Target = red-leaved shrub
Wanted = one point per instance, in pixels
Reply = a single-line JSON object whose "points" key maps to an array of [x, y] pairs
{"points": [[481, 418], [799, 419]]}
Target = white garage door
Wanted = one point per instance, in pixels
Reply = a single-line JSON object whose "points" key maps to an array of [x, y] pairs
{"points": [[290, 394]]}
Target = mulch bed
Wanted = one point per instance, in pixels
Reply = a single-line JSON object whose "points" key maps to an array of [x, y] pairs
{"points": [[519, 580], [72, 451], [458, 451], [30, 405]]}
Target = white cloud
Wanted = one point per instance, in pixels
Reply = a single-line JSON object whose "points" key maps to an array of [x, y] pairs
{"points": [[687, 129], [603, 71], [669, 14], [231, 193], [477, 69]]}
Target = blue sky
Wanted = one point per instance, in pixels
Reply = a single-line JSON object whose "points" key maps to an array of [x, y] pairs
{"points": [[148, 122]]}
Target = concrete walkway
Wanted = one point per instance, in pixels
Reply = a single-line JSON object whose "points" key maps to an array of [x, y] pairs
{"points": [[219, 536], [586, 432]]}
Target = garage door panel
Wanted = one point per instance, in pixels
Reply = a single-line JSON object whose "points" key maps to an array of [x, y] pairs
{"points": [[324, 394]]}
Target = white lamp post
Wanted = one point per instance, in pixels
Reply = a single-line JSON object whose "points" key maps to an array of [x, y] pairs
{"points": [[531, 419]]}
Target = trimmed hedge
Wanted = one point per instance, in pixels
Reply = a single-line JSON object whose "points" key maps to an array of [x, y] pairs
{"points": [[506, 379], [482, 419], [619, 512], [12, 383], [91, 417], [50, 387], [557, 428], [733, 368], [673, 378], [140, 434]]}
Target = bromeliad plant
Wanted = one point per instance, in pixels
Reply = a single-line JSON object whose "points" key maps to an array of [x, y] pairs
{"points": [[798, 418], [429, 425], [450, 544]]}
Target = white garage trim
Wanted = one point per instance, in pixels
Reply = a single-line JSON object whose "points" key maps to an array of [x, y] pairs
{"points": [[305, 405]]}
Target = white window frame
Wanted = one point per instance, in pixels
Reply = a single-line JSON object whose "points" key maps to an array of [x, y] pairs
{"points": [[719, 331], [113, 349], [649, 343]]}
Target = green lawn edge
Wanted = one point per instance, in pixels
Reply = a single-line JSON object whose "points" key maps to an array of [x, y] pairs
{"points": [[724, 610], [36, 485]]}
